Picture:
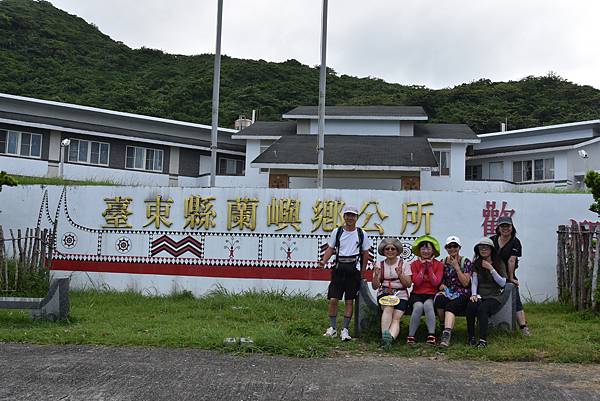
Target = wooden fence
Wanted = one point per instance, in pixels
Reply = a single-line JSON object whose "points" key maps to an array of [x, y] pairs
{"points": [[578, 250], [29, 252]]}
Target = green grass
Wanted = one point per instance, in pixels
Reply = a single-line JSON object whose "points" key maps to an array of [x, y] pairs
{"points": [[281, 324], [27, 180]]}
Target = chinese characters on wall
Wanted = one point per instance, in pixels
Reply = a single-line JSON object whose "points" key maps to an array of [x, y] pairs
{"points": [[490, 215], [199, 213]]}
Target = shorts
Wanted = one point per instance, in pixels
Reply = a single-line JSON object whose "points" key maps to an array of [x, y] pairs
{"points": [[458, 306], [403, 305], [419, 298], [345, 282]]}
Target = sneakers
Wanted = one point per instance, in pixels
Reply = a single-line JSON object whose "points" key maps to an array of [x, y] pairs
{"points": [[431, 340], [525, 331], [473, 342], [482, 344], [345, 336], [446, 335], [386, 340], [331, 332]]}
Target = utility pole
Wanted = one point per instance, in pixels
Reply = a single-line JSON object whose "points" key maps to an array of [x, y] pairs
{"points": [[322, 80], [215, 97]]}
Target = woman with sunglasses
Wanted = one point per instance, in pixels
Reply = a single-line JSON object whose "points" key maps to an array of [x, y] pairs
{"points": [[391, 276], [487, 282], [455, 290]]}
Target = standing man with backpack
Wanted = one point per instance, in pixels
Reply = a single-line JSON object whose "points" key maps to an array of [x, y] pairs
{"points": [[351, 246]]}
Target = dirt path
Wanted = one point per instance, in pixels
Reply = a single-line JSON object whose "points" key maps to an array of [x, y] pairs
{"points": [[33, 372]]}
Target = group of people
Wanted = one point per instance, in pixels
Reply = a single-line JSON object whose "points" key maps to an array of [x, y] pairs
{"points": [[442, 288]]}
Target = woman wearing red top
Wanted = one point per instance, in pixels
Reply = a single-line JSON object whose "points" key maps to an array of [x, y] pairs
{"points": [[427, 273]]}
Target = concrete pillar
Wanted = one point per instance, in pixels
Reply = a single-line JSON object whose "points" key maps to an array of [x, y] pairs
{"points": [[54, 154], [173, 166]]}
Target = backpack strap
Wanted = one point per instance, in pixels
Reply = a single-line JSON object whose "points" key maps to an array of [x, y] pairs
{"points": [[338, 235], [361, 239]]}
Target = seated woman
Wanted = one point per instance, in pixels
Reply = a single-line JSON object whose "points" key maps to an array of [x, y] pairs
{"points": [[391, 277], [455, 290], [487, 282], [427, 275]]}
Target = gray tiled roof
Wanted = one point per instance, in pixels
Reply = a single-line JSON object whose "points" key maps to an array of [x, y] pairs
{"points": [[351, 150], [194, 136], [359, 111], [445, 131], [533, 146], [269, 128]]}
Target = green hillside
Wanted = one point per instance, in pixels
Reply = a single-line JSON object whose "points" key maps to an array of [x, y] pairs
{"points": [[49, 54]]}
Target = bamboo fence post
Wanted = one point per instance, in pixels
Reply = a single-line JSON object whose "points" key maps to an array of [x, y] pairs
{"points": [[595, 266], [2, 257], [43, 248], [36, 249], [30, 249], [15, 257], [587, 269], [575, 249], [560, 262], [20, 244]]}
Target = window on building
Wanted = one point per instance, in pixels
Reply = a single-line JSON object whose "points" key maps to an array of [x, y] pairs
{"points": [[90, 152], [231, 166], [21, 143], [443, 159], [473, 173], [533, 170], [139, 158]]}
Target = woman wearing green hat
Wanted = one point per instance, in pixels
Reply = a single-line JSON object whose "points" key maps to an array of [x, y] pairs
{"points": [[427, 273]]}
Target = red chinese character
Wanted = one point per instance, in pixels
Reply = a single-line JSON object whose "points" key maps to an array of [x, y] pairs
{"points": [[491, 214]]}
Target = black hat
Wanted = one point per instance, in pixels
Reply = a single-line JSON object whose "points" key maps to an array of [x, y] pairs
{"points": [[504, 220]]}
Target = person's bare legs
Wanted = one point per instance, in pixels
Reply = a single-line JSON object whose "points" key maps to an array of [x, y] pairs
{"points": [[395, 326], [449, 319], [386, 318]]}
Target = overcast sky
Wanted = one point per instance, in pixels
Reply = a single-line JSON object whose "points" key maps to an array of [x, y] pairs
{"points": [[435, 43]]}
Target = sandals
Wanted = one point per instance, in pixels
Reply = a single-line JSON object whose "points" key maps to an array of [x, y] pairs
{"points": [[431, 340], [410, 340]]}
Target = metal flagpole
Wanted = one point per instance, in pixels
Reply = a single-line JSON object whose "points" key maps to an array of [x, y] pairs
{"points": [[215, 97], [322, 78]]}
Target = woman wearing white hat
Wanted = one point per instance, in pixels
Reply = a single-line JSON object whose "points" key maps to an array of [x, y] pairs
{"points": [[455, 290], [487, 282], [391, 277]]}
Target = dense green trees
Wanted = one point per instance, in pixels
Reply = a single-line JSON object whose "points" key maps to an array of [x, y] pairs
{"points": [[49, 54]]}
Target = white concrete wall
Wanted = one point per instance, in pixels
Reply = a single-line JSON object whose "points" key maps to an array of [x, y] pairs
{"points": [[458, 213], [125, 177], [456, 179], [357, 127], [24, 166]]}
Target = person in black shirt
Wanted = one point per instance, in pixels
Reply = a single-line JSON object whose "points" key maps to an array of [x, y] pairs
{"points": [[509, 248]]}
